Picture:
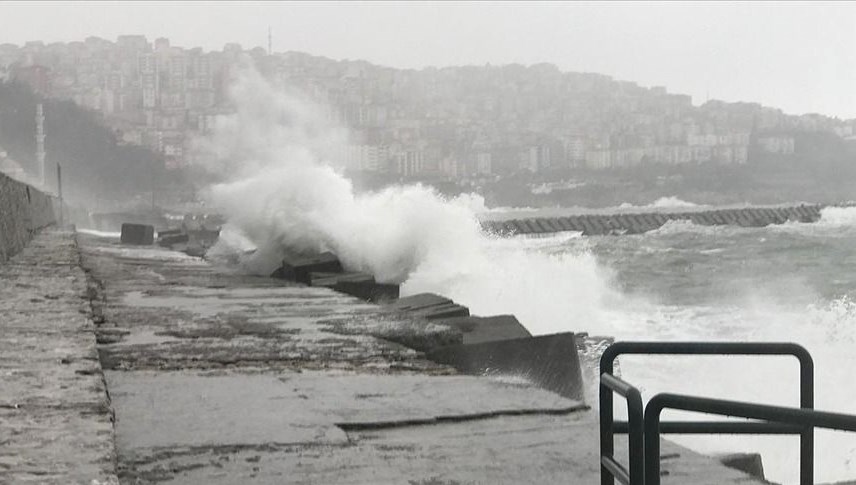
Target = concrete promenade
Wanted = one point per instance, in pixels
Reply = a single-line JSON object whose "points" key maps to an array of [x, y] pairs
{"points": [[55, 417], [219, 378]]}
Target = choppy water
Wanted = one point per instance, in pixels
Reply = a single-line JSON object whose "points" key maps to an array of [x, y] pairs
{"points": [[795, 282]]}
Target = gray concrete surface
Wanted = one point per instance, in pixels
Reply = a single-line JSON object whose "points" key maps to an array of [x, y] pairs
{"points": [[167, 409], [222, 378], [216, 377], [529, 449], [55, 416]]}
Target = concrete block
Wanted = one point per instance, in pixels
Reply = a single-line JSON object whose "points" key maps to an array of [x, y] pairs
{"points": [[170, 240], [195, 250], [418, 302], [360, 285], [815, 212], [548, 361], [487, 329], [575, 224], [510, 228], [534, 227], [627, 223], [816, 208], [442, 311], [717, 218], [651, 222], [597, 224], [544, 225], [588, 228], [748, 216], [743, 219], [637, 224], [169, 232], [772, 215], [700, 219], [611, 224], [488, 226], [369, 291], [326, 279], [554, 225], [429, 306], [299, 268], [138, 234], [565, 223], [749, 463], [550, 225], [660, 219], [522, 227], [809, 213]]}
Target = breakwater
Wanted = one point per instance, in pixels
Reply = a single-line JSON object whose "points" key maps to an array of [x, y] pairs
{"points": [[473, 345], [23, 211], [638, 223]]}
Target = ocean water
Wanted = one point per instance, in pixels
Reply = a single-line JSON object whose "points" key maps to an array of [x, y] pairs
{"points": [[794, 282]]}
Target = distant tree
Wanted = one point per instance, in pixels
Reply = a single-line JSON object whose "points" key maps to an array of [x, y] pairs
{"points": [[94, 164]]}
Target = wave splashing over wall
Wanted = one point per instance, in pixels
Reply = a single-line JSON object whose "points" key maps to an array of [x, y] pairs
{"points": [[282, 191]]}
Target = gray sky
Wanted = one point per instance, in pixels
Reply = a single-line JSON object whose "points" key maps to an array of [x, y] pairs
{"points": [[800, 57]]}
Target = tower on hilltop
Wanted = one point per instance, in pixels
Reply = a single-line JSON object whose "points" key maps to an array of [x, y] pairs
{"points": [[40, 142]]}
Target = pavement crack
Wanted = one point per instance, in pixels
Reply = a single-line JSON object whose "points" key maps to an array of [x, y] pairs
{"points": [[376, 425]]}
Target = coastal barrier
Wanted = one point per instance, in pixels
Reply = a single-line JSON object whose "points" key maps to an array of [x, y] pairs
{"points": [[23, 211], [638, 223], [475, 345]]}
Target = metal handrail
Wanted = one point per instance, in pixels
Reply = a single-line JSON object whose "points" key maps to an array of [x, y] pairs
{"points": [[798, 417], [610, 468], [608, 425]]}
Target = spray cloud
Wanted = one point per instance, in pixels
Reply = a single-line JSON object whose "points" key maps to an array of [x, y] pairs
{"points": [[283, 193]]}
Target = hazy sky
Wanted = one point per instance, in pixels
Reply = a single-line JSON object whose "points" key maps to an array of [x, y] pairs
{"points": [[800, 57]]}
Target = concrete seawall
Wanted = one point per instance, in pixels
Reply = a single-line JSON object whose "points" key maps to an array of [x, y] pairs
{"points": [[637, 223], [23, 211]]}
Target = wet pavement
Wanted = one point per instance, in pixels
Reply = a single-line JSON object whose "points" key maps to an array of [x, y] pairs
{"points": [[218, 377], [55, 417]]}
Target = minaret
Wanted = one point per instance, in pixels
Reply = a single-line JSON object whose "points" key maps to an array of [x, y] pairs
{"points": [[40, 142]]}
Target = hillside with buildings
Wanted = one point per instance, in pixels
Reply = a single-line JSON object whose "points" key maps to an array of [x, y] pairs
{"points": [[524, 129]]}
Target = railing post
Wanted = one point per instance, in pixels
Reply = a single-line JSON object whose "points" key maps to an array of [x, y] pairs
{"points": [[607, 443], [806, 402], [636, 420], [652, 441]]}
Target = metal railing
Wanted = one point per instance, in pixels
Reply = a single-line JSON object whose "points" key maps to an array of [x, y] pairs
{"points": [[797, 417], [609, 466], [608, 426]]}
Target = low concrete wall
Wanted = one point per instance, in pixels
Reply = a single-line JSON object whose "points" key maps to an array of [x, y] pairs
{"points": [[600, 224], [23, 211]]}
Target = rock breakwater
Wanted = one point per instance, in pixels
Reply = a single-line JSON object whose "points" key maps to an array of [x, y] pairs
{"points": [[638, 223]]}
